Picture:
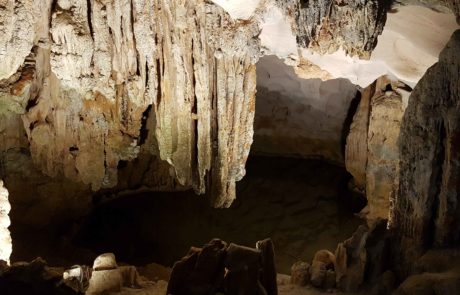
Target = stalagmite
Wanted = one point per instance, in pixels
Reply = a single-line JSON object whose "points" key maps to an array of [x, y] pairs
{"points": [[6, 246]]}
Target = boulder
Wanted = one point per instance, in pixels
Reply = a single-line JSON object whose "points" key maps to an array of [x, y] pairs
{"points": [[268, 277], [201, 271], [32, 278], [322, 261], [105, 261], [244, 267], [351, 260], [300, 273], [218, 268], [104, 282], [385, 285], [430, 283], [108, 278], [329, 281]]}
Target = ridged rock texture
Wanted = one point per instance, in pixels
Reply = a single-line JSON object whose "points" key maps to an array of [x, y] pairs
{"points": [[327, 25], [105, 64], [98, 85], [426, 207], [371, 153], [6, 245]]}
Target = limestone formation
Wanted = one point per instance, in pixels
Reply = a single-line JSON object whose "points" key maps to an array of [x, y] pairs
{"points": [[387, 109], [426, 208], [32, 278], [322, 262], [231, 269], [268, 276], [326, 25], [372, 154], [351, 261], [105, 262], [201, 271], [356, 146], [6, 246], [300, 273], [87, 77], [107, 277], [101, 67]]}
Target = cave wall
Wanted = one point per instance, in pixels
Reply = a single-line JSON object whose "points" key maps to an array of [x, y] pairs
{"points": [[99, 85], [410, 43], [299, 117], [84, 88], [426, 211]]}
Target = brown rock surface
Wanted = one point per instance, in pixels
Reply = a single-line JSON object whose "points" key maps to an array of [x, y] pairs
{"points": [[326, 25], [426, 206], [322, 262], [87, 77], [300, 273], [372, 154], [383, 154]]}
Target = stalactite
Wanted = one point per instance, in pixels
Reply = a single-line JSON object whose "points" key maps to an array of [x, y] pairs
{"points": [[99, 65]]}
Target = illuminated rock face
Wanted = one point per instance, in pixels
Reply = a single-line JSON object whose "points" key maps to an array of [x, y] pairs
{"points": [[96, 83], [410, 43], [102, 67], [99, 83], [372, 154], [6, 246]]}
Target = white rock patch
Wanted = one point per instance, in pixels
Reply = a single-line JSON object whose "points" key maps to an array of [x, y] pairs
{"points": [[238, 9], [410, 43], [6, 246], [276, 35]]}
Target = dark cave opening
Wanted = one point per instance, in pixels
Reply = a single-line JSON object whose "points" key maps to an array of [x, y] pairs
{"points": [[303, 205]]}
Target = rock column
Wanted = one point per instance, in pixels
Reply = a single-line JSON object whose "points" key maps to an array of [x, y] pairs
{"points": [[6, 246]]}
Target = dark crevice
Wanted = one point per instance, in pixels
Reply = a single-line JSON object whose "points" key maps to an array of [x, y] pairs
{"points": [[144, 132], [73, 149], [435, 185], [31, 103], [388, 87], [53, 9], [122, 164], [138, 66], [195, 120], [90, 19], [159, 78], [405, 87], [32, 125], [354, 104], [146, 74]]}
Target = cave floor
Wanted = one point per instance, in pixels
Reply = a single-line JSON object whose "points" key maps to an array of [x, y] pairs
{"points": [[301, 204]]}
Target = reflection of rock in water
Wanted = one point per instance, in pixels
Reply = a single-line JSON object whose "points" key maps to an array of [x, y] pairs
{"points": [[299, 204]]}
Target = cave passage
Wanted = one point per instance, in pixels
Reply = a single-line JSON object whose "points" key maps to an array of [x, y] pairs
{"points": [[303, 205]]}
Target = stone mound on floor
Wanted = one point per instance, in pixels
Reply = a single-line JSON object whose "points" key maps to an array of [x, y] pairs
{"points": [[224, 268]]}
